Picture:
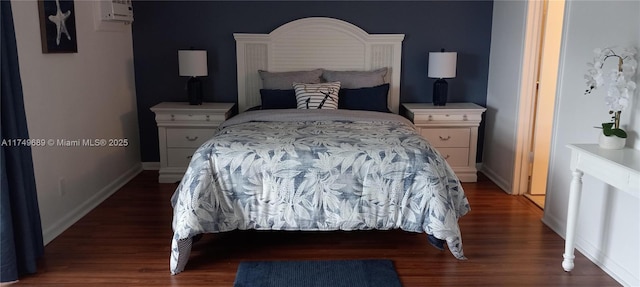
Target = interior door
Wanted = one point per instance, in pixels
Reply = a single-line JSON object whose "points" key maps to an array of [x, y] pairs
{"points": [[546, 96]]}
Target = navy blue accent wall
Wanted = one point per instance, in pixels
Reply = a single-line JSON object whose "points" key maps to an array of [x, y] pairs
{"points": [[161, 28]]}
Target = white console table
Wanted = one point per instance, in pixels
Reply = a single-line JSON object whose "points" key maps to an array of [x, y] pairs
{"points": [[618, 168]]}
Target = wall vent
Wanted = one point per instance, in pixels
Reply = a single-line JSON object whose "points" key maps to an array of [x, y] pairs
{"points": [[116, 10]]}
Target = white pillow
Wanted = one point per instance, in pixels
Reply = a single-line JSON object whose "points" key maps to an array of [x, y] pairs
{"points": [[317, 96]]}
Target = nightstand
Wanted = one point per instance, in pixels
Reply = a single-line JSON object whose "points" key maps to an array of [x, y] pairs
{"points": [[182, 128], [452, 130]]}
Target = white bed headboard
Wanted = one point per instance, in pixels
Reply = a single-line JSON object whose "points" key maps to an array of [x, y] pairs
{"points": [[312, 43]]}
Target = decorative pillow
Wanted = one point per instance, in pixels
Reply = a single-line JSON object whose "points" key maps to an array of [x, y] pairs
{"points": [[367, 99], [278, 99], [356, 79], [317, 96], [284, 80]]}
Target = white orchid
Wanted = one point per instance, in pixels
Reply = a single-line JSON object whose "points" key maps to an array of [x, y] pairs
{"points": [[621, 85]]}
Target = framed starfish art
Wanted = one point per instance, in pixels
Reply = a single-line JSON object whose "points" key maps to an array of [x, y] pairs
{"points": [[58, 26]]}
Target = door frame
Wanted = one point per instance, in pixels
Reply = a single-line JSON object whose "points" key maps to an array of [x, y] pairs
{"points": [[536, 54], [527, 104]]}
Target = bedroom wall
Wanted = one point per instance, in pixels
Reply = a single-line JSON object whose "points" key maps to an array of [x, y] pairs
{"points": [[84, 95], [462, 26], [607, 230], [503, 89]]}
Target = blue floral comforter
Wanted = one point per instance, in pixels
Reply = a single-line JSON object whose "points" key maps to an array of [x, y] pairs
{"points": [[316, 170]]}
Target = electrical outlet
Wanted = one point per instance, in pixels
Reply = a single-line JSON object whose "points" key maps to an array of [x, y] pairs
{"points": [[61, 186]]}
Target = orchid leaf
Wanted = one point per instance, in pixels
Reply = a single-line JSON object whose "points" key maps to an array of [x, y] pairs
{"points": [[619, 133], [608, 130]]}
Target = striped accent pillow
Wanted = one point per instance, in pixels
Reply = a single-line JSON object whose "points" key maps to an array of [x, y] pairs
{"points": [[317, 96]]}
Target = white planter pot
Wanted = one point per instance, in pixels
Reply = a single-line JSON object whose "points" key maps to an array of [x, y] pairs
{"points": [[611, 142]]}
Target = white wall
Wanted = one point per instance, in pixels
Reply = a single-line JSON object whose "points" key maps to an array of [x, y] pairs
{"points": [[84, 95], [505, 71], [608, 227]]}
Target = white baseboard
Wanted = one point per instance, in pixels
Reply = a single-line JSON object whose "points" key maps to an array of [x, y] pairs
{"points": [[597, 256], [151, 165], [83, 209], [498, 180]]}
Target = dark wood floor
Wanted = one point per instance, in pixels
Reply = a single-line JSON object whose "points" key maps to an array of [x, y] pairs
{"points": [[126, 240]]}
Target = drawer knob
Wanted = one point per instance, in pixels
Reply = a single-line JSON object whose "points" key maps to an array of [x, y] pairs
{"points": [[464, 117], [444, 139], [189, 157], [446, 156], [430, 118], [207, 118], [191, 138], [173, 117]]}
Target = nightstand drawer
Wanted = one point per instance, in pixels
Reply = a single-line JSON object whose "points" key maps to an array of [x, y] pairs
{"points": [[196, 118], [450, 137], [440, 117], [455, 156], [179, 157], [177, 137]]}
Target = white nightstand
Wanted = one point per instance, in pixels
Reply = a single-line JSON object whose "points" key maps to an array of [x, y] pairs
{"points": [[182, 128], [453, 131]]}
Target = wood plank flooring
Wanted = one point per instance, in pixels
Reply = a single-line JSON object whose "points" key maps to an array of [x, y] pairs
{"points": [[126, 240]]}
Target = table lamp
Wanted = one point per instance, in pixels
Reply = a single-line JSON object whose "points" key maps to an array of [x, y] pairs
{"points": [[441, 65], [193, 64]]}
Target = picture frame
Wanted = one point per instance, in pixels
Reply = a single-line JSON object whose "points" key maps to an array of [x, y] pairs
{"points": [[57, 26]]}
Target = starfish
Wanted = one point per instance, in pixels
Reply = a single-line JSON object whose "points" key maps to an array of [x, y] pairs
{"points": [[60, 20]]}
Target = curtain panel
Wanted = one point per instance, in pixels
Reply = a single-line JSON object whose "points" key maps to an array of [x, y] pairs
{"points": [[21, 242]]}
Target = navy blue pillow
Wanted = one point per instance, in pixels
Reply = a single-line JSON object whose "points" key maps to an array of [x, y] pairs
{"points": [[278, 99], [367, 99]]}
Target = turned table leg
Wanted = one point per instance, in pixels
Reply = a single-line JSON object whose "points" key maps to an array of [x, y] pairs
{"points": [[572, 216]]}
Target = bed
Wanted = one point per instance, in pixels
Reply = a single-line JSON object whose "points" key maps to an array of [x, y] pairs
{"points": [[325, 159]]}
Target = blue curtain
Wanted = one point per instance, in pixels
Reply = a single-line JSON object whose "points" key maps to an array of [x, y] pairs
{"points": [[20, 230]]}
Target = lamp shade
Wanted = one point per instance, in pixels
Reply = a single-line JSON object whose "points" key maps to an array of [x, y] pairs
{"points": [[442, 64], [192, 63]]}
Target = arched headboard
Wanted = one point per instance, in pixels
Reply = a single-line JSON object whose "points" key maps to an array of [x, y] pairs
{"points": [[312, 43]]}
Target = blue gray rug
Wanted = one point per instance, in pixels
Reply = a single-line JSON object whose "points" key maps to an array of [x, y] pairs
{"points": [[321, 273]]}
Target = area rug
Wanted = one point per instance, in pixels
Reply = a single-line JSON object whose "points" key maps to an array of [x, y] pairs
{"points": [[324, 273]]}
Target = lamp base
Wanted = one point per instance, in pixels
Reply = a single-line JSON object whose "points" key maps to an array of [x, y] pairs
{"points": [[194, 91], [440, 92]]}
